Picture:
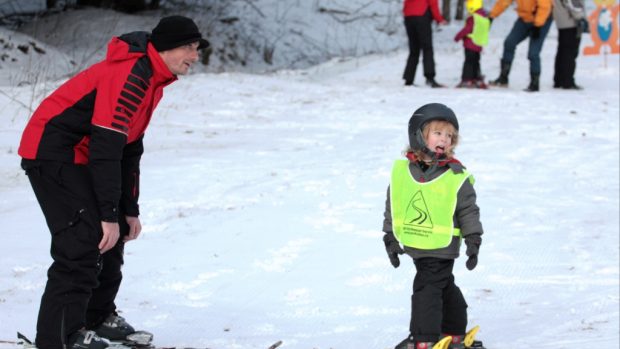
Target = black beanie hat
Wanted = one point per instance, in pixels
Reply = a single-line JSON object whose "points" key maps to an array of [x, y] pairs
{"points": [[174, 31]]}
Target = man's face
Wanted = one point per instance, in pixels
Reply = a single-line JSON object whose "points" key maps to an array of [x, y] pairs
{"points": [[180, 59]]}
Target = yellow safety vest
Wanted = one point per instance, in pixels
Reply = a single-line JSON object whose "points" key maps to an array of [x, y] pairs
{"points": [[480, 33], [422, 213]]}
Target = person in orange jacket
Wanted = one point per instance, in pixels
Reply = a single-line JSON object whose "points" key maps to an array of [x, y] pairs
{"points": [[534, 22], [419, 15]]}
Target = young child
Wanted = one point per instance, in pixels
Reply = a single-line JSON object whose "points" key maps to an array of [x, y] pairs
{"points": [[430, 207], [475, 35]]}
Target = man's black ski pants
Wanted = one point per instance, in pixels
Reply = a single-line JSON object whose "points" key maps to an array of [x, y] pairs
{"points": [[82, 284]]}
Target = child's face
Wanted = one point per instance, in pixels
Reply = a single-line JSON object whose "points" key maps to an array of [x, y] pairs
{"points": [[439, 138]]}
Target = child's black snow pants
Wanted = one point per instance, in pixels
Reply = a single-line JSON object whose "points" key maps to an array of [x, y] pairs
{"points": [[471, 67], [437, 304], [81, 284]]}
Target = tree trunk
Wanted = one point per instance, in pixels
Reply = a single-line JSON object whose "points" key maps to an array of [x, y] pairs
{"points": [[460, 7], [130, 6], [95, 3], [445, 9]]}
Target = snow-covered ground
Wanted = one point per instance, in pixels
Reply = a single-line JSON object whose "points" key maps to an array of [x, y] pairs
{"points": [[263, 195]]}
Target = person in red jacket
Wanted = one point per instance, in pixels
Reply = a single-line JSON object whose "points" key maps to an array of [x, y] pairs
{"points": [[419, 15], [81, 152], [475, 35]]}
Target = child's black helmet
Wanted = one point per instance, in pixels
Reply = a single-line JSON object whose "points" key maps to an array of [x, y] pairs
{"points": [[424, 114]]}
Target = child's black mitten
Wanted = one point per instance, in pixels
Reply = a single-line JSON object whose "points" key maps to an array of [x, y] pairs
{"points": [[473, 242], [393, 248]]}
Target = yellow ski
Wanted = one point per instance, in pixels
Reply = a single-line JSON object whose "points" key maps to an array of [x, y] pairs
{"points": [[470, 336], [444, 343]]}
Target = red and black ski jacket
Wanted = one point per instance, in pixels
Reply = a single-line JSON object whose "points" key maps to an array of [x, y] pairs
{"points": [[98, 118], [419, 8]]}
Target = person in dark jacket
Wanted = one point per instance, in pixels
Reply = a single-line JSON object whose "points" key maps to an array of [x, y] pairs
{"points": [[430, 207], [570, 19], [81, 151], [475, 35], [419, 15]]}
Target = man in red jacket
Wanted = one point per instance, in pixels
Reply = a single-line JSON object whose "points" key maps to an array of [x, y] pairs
{"points": [[419, 15], [81, 151]]}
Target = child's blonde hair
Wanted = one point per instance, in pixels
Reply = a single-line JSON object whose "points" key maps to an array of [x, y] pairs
{"points": [[436, 125]]}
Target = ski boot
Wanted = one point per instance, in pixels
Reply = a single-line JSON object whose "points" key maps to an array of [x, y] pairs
{"points": [[406, 343], [466, 84], [481, 84], [456, 342], [83, 339], [116, 329], [409, 343], [466, 341]]}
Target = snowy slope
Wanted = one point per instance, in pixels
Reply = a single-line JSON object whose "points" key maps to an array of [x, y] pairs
{"points": [[263, 195]]}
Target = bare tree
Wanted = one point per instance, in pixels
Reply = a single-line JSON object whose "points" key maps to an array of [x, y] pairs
{"points": [[129, 6], [445, 10], [460, 9]]}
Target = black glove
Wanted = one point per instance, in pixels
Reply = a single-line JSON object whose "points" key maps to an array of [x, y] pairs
{"points": [[583, 25], [535, 32], [473, 242], [393, 249]]}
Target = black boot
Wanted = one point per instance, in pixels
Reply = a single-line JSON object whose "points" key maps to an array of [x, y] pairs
{"points": [[432, 83], [407, 343], [502, 80], [534, 86]]}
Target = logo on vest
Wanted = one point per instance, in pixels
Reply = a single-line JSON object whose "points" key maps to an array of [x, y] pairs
{"points": [[417, 218]]}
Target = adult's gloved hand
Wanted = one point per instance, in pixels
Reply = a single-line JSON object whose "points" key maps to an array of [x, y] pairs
{"points": [[535, 32], [473, 242], [393, 249], [583, 25]]}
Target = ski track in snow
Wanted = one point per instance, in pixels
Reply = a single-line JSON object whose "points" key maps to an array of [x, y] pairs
{"points": [[262, 202]]}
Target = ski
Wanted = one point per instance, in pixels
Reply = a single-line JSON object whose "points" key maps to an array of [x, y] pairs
{"points": [[470, 336], [125, 345], [22, 341], [470, 339], [137, 341]]}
